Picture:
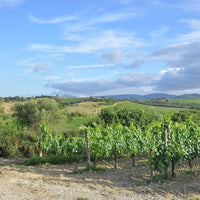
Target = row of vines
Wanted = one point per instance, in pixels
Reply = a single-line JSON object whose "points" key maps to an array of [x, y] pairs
{"points": [[166, 144]]}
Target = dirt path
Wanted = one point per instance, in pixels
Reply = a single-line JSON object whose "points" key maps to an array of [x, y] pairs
{"points": [[59, 182]]}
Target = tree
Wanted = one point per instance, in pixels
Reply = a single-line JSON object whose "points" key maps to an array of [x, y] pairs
{"points": [[107, 116], [33, 112]]}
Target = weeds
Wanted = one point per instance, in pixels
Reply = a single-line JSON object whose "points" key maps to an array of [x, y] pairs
{"points": [[53, 159], [89, 168]]}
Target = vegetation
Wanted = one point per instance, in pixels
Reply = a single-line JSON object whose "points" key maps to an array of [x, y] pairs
{"points": [[176, 103], [118, 129]]}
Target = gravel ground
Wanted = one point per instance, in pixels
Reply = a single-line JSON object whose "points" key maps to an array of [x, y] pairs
{"points": [[45, 182]]}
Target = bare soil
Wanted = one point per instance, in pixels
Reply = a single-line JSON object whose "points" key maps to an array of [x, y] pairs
{"points": [[18, 181]]}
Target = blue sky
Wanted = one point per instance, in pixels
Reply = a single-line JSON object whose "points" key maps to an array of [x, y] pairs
{"points": [[91, 47]]}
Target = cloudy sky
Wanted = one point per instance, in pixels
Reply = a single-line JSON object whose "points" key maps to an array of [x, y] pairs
{"points": [[92, 47]]}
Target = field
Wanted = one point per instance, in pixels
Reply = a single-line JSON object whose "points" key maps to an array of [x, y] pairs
{"points": [[90, 108], [93, 108], [177, 103], [185, 100], [71, 100], [71, 182], [131, 106]]}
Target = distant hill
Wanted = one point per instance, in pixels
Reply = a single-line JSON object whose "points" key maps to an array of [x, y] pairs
{"points": [[155, 96]]}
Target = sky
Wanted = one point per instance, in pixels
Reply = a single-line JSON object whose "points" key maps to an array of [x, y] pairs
{"points": [[98, 48]]}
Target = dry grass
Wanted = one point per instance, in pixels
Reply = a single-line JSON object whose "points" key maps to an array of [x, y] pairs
{"points": [[7, 107], [89, 107]]}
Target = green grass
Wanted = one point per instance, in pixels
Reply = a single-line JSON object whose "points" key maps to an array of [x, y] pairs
{"points": [[136, 106], [178, 103], [68, 100], [185, 100], [88, 168], [20, 167], [79, 121]]}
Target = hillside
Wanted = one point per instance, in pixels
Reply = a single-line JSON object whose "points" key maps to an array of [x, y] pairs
{"points": [[155, 96]]}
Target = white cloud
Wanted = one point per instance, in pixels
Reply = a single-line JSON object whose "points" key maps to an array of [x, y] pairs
{"points": [[35, 66], [127, 82], [9, 3], [156, 34], [105, 18], [56, 20], [190, 5], [177, 55], [112, 17], [183, 61], [89, 66], [114, 56], [172, 70], [40, 67], [193, 36], [193, 23], [105, 40]]}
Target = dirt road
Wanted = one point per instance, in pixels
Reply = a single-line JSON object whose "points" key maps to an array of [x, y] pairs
{"points": [[61, 182]]}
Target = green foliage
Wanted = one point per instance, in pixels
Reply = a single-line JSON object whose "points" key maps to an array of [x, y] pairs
{"points": [[27, 113], [9, 139], [176, 103], [15, 141], [33, 112], [184, 115], [58, 145], [126, 117], [124, 130], [104, 100], [72, 100], [182, 144], [138, 106], [107, 116], [137, 117]]}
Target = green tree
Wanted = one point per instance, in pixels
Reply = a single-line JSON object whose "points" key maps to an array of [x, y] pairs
{"points": [[33, 112]]}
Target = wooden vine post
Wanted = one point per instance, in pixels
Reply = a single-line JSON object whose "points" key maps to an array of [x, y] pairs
{"points": [[165, 141], [87, 148], [40, 145]]}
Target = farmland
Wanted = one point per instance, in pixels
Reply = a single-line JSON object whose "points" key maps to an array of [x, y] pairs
{"points": [[117, 129]]}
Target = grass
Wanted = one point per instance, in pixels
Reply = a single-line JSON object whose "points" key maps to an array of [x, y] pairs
{"points": [[175, 103], [185, 100], [53, 159], [81, 198], [89, 168], [71, 100], [20, 167], [131, 106], [87, 108], [79, 121]]}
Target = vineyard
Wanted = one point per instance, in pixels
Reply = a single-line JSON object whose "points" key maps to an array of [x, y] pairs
{"points": [[120, 130], [166, 144], [128, 148]]}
